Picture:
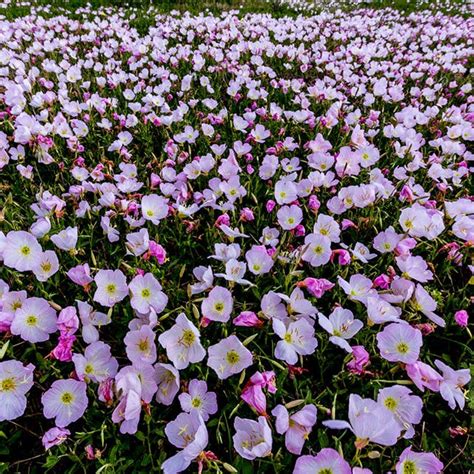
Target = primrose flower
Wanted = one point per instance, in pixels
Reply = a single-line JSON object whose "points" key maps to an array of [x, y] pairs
{"points": [[423, 376], [81, 275], [400, 343], [297, 338], [289, 217], [423, 302], [111, 287], [66, 401], [167, 378], [316, 286], [218, 305], [406, 407], [415, 268], [147, 294], [188, 432], [15, 382], [154, 208], [46, 266], [418, 463], [328, 461], [358, 288], [341, 325], [66, 239], [140, 345], [229, 357], [182, 343], [317, 250], [380, 311], [21, 251], [253, 390], [258, 260], [369, 421], [296, 427], [34, 321], [198, 399], [253, 439], [54, 437], [97, 363], [451, 385]]}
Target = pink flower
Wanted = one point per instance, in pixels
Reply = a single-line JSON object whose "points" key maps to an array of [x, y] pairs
{"points": [[461, 317], [360, 360], [316, 286], [253, 390]]}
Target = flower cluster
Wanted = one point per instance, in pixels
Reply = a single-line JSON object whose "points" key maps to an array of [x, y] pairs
{"points": [[224, 234]]}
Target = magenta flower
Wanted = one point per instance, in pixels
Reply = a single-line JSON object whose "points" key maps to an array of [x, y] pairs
{"points": [[297, 338], [399, 342], [253, 390], [462, 318], [182, 343], [328, 460], [411, 461], [253, 439], [54, 437], [229, 357], [296, 427], [198, 399], [360, 360], [66, 401], [247, 319], [316, 286], [15, 381], [111, 287], [68, 322], [34, 321], [140, 345], [218, 305]]}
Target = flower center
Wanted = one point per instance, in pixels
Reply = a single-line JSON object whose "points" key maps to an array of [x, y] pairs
{"points": [[31, 320], [390, 403], [146, 293], [196, 402], [232, 357], [111, 288], [219, 307], [318, 249], [143, 345], [402, 348], [8, 385], [188, 337], [88, 369], [25, 250], [288, 338], [409, 467], [67, 398]]}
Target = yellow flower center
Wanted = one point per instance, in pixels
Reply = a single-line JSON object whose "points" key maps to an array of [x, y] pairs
{"points": [[232, 357], [67, 398], [8, 385], [31, 320], [188, 337]]}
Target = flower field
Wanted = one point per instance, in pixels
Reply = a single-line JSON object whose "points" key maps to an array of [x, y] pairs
{"points": [[236, 237]]}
